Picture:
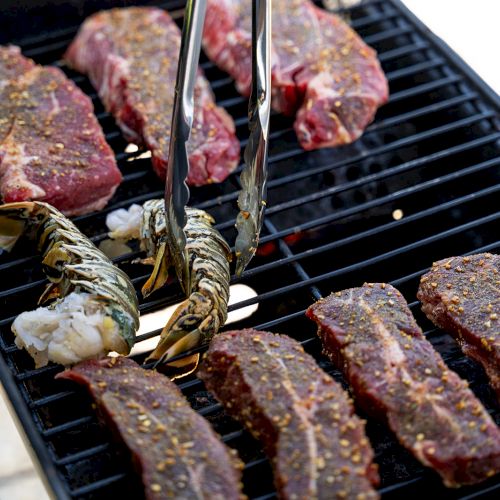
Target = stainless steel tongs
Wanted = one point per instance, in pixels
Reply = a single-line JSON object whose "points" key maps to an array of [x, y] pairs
{"points": [[251, 200]]}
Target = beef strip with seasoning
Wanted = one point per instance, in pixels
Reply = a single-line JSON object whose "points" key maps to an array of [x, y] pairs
{"points": [[131, 56], [52, 148], [302, 416], [322, 71], [395, 374], [461, 295], [174, 449]]}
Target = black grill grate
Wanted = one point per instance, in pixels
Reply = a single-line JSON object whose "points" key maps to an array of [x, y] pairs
{"points": [[432, 153]]}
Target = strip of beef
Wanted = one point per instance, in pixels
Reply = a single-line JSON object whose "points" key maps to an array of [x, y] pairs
{"points": [[396, 374], [321, 69], [175, 450], [303, 418], [131, 56], [52, 148], [462, 296], [13, 64]]}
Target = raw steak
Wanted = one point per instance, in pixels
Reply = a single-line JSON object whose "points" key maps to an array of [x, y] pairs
{"points": [[174, 449], [395, 373], [13, 64], [462, 296], [321, 69], [52, 148], [131, 58], [302, 416]]}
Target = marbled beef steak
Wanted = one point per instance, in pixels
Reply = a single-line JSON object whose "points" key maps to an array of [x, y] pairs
{"points": [[462, 296], [131, 58], [52, 148], [304, 419], [174, 449], [321, 69], [395, 374]]}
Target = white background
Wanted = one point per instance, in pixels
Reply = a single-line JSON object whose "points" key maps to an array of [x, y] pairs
{"points": [[472, 29]]}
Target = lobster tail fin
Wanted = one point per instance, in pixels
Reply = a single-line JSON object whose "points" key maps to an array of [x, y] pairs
{"points": [[159, 275], [14, 218]]}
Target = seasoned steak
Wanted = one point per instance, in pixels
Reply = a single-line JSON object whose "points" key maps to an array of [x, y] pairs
{"points": [[175, 450], [52, 148], [131, 58], [396, 374], [303, 418], [12, 64], [462, 296], [321, 69]]}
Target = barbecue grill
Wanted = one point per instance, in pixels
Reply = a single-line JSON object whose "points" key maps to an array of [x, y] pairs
{"points": [[421, 184]]}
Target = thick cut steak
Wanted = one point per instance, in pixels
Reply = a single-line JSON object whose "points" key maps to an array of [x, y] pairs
{"points": [[462, 296], [131, 58], [174, 449], [321, 69], [303, 418], [52, 148], [395, 374]]}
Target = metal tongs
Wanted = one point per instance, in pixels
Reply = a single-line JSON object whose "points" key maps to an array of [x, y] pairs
{"points": [[251, 200]]}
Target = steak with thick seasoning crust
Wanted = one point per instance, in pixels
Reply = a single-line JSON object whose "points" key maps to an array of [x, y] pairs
{"points": [[321, 69], [303, 418], [52, 148], [131, 58], [396, 374], [175, 450], [461, 295]]}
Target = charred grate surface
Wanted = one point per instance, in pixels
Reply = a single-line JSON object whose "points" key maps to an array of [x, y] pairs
{"points": [[432, 156]]}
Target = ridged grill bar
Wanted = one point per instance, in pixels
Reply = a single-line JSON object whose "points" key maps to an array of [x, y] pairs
{"points": [[432, 153]]}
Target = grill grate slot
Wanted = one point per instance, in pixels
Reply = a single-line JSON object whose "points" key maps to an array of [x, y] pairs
{"points": [[433, 153]]}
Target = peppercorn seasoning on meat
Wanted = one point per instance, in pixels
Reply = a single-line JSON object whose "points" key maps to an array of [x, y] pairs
{"points": [[13, 64], [302, 416], [175, 449], [321, 69], [396, 374], [131, 55], [52, 148], [461, 295]]}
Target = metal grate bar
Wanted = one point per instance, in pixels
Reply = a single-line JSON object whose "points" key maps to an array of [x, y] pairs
{"points": [[67, 426], [352, 211], [91, 487], [53, 398], [81, 455], [270, 325], [424, 110], [385, 173], [285, 249], [415, 68], [354, 159], [424, 88], [412, 48], [387, 34], [367, 262], [374, 231]]}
